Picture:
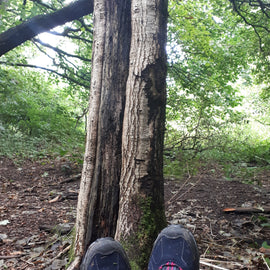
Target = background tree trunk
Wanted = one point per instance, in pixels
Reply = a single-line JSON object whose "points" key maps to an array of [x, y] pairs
{"points": [[98, 200], [141, 213]]}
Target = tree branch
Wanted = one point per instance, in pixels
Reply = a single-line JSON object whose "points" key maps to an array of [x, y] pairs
{"points": [[47, 69], [237, 7], [17, 35], [61, 52], [64, 34]]}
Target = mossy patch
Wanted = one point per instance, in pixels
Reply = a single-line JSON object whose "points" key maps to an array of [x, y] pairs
{"points": [[139, 245]]}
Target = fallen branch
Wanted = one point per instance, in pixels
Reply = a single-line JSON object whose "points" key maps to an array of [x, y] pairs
{"points": [[59, 255], [66, 196], [5, 257], [265, 209], [265, 262], [71, 179]]}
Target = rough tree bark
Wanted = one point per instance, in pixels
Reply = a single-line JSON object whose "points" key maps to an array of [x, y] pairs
{"points": [[98, 200], [141, 213]]}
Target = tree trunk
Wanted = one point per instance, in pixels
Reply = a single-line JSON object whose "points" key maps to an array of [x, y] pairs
{"points": [[98, 200], [141, 212]]}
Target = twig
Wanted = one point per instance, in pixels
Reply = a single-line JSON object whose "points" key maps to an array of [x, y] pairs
{"points": [[59, 51], [211, 229], [177, 193], [214, 266], [189, 189], [75, 264], [2, 257], [27, 262], [265, 262], [60, 254], [206, 251], [248, 210], [219, 261]]}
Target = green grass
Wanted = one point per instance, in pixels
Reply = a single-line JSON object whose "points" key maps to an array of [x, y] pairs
{"points": [[18, 146], [243, 151]]}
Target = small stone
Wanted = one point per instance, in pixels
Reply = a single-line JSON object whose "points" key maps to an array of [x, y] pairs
{"points": [[3, 236], [4, 222], [29, 212], [58, 264]]}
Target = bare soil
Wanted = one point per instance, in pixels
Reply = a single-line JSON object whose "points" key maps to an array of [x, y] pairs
{"points": [[38, 210]]}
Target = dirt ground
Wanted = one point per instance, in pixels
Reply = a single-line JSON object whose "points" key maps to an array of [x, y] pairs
{"points": [[38, 210]]}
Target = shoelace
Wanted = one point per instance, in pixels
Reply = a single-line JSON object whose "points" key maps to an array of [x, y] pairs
{"points": [[170, 266]]}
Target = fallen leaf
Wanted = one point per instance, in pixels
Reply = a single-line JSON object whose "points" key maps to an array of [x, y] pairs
{"points": [[56, 199], [265, 251]]}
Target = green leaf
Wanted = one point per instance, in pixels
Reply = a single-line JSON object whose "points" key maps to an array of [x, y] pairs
{"points": [[265, 245]]}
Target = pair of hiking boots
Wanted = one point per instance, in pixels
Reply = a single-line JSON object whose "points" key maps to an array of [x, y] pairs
{"points": [[174, 249]]}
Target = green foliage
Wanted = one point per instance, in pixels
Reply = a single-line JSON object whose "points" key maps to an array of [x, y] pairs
{"points": [[209, 115], [204, 59], [44, 116], [35, 116], [256, 17], [264, 222]]}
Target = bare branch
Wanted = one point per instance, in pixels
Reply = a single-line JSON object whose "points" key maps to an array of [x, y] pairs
{"points": [[59, 51], [65, 34], [46, 69]]}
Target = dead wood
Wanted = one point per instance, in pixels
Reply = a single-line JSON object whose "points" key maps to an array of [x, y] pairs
{"points": [[71, 179], [3, 257], [247, 210]]}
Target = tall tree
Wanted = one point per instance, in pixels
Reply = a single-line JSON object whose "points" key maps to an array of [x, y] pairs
{"points": [[141, 213], [99, 190]]}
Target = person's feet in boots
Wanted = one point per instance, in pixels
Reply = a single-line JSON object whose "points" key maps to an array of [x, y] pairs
{"points": [[174, 249], [105, 254]]}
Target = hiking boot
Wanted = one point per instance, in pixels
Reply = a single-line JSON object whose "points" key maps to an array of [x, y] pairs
{"points": [[105, 254], [174, 249]]}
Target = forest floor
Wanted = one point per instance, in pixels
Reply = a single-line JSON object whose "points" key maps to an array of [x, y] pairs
{"points": [[38, 209]]}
